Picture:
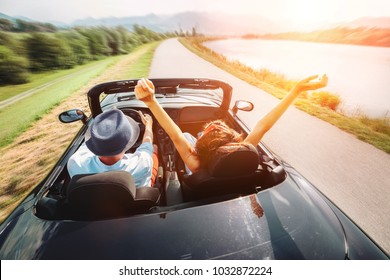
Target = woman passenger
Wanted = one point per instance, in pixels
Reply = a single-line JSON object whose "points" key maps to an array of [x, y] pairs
{"points": [[196, 153]]}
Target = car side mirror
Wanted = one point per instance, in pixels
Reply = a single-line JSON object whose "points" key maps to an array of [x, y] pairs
{"points": [[243, 106], [72, 116]]}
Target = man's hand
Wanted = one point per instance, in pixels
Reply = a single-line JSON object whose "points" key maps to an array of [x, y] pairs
{"points": [[146, 119], [144, 91]]}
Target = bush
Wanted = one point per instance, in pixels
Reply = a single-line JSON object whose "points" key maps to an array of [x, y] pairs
{"points": [[78, 44], [97, 42], [47, 52], [326, 99], [12, 42], [381, 125], [13, 69]]}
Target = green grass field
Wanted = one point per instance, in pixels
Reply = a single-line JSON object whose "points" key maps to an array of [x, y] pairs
{"points": [[39, 79]]}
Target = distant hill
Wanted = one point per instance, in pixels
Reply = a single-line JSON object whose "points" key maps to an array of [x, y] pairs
{"points": [[23, 24], [214, 23], [6, 17], [206, 23], [370, 22], [150, 21], [13, 19], [222, 23], [367, 36]]}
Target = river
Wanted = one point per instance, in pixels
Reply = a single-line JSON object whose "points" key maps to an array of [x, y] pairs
{"points": [[360, 75]]}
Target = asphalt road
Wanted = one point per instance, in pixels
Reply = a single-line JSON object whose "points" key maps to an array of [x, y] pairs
{"points": [[351, 173]]}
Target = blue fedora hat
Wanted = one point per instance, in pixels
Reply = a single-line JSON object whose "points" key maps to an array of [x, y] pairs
{"points": [[111, 133]]}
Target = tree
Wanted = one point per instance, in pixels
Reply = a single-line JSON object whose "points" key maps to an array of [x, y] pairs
{"points": [[6, 25], [47, 52], [44, 51], [13, 69], [114, 41], [125, 37], [133, 41], [194, 33], [97, 41], [27, 26], [146, 34], [8, 40], [78, 44]]}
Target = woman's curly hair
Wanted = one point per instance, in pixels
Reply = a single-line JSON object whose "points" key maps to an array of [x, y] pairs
{"points": [[216, 134]]}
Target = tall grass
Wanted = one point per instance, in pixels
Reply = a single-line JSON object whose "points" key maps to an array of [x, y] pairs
{"points": [[321, 104]]}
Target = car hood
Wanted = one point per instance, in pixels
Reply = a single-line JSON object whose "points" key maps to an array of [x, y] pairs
{"points": [[288, 221]]}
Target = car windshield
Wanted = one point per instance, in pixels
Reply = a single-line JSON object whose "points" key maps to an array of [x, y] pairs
{"points": [[172, 95]]}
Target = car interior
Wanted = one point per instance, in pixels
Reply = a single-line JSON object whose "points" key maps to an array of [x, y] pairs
{"points": [[237, 171]]}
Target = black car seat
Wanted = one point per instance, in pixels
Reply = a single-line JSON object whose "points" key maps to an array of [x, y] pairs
{"points": [[108, 195], [235, 169]]}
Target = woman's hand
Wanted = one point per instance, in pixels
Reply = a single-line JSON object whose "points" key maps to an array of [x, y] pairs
{"points": [[308, 84], [144, 91], [266, 122]]}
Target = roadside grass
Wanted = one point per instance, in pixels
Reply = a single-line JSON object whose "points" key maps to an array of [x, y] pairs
{"points": [[375, 131], [24, 112], [39, 79], [28, 158]]}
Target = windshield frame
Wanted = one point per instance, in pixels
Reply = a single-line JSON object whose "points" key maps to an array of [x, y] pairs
{"points": [[166, 87]]}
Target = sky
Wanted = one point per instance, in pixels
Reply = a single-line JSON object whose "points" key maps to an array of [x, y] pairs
{"points": [[298, 11]]}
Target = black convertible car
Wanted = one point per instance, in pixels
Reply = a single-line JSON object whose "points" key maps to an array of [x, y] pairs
{"points": [[248, 204]]}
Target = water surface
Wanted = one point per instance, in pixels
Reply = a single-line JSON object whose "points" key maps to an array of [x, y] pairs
{"points": [[359, 74]]}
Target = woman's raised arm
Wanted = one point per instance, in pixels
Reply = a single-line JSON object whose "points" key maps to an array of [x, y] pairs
{"points": [[144, 91], [265, 123]]}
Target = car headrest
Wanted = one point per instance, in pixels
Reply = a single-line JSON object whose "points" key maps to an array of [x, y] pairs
{"points": [[108, 195], [233, 160], [233, 170]]}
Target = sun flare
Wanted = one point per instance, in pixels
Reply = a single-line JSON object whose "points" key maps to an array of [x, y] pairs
{"points": [[306, 12]]}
